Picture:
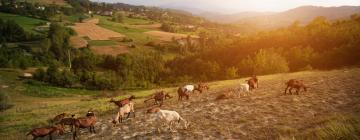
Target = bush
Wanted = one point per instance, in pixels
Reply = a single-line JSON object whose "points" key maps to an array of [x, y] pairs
{"points": [[231, 73], [4, 102]]}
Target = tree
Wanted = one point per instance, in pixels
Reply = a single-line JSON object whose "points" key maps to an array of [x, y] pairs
{"points": [[264, 62], [118, 17]]}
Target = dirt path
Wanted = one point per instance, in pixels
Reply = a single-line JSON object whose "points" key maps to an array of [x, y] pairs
{"points": [[264, 114]]}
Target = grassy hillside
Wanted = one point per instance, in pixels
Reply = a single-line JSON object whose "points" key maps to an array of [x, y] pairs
{"points": [[27, 23], [124, 28], [327, 107]]}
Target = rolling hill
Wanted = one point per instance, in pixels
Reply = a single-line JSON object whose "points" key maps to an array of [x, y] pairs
{"points": [[304, 14]]}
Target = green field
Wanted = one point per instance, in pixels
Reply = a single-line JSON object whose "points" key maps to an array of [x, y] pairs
{"points": [[102, 42], [27, 23], [134, 33]]}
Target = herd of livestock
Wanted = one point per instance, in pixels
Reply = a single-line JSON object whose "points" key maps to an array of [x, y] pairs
{"points": [[126, 107]]}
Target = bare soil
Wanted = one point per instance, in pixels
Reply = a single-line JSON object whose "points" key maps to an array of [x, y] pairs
{"points": [[94, 32], [78, 42]]}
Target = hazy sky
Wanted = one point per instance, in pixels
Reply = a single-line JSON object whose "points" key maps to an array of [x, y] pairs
{"points": [[232, 6]]}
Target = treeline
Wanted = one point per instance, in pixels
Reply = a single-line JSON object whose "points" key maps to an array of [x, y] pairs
{"points": [[319, 45], [28, 9], [12, 32]]}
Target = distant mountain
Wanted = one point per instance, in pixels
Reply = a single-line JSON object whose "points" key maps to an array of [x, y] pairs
{"points": [[230, 18], [302, 14]]}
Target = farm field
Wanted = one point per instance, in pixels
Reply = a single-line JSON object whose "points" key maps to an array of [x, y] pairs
{"points": [[331, 106], [167, 36], [110, 50], [27, 23], [94, 32], [78, 42]]}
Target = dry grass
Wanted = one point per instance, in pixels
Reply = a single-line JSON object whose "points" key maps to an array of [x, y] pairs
{"points": [[155, 26], [95, 32], [167, 36], [265, 114], [110, 50]]}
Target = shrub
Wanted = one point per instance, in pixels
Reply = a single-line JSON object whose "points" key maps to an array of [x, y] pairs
{"points": [[4, 102], [231, 72]]}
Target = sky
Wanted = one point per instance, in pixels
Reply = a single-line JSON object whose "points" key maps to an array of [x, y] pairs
{"points": [[234, 6]]}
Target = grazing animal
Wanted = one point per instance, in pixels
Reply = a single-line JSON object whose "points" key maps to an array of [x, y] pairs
{"points": [[297, 84], [85, 122], [126, 109], [253, 82], [67, 121], [59, 117], [201, 87], [244, 88], [182, 93], [122, 102], [44, 131], [166, 116], [226, 95], [159, 98]]}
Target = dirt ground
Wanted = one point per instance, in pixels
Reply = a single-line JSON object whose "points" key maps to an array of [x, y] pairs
{"points": [[94, 32], [78, 42], [167, 36], [264, 114], [110, 50]]}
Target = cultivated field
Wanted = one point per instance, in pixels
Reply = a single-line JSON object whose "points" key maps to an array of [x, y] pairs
{"points": [[110, 50], [95, 32], [328, 110], [78, 42], [167, 36], [155, 26]]}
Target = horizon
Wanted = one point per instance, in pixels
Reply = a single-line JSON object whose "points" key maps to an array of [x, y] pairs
{"points": [[235, 6]]}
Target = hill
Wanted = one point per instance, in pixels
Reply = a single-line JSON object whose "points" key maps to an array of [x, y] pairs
{"points": [[231, 18], [330, 106], [302, 14]]}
